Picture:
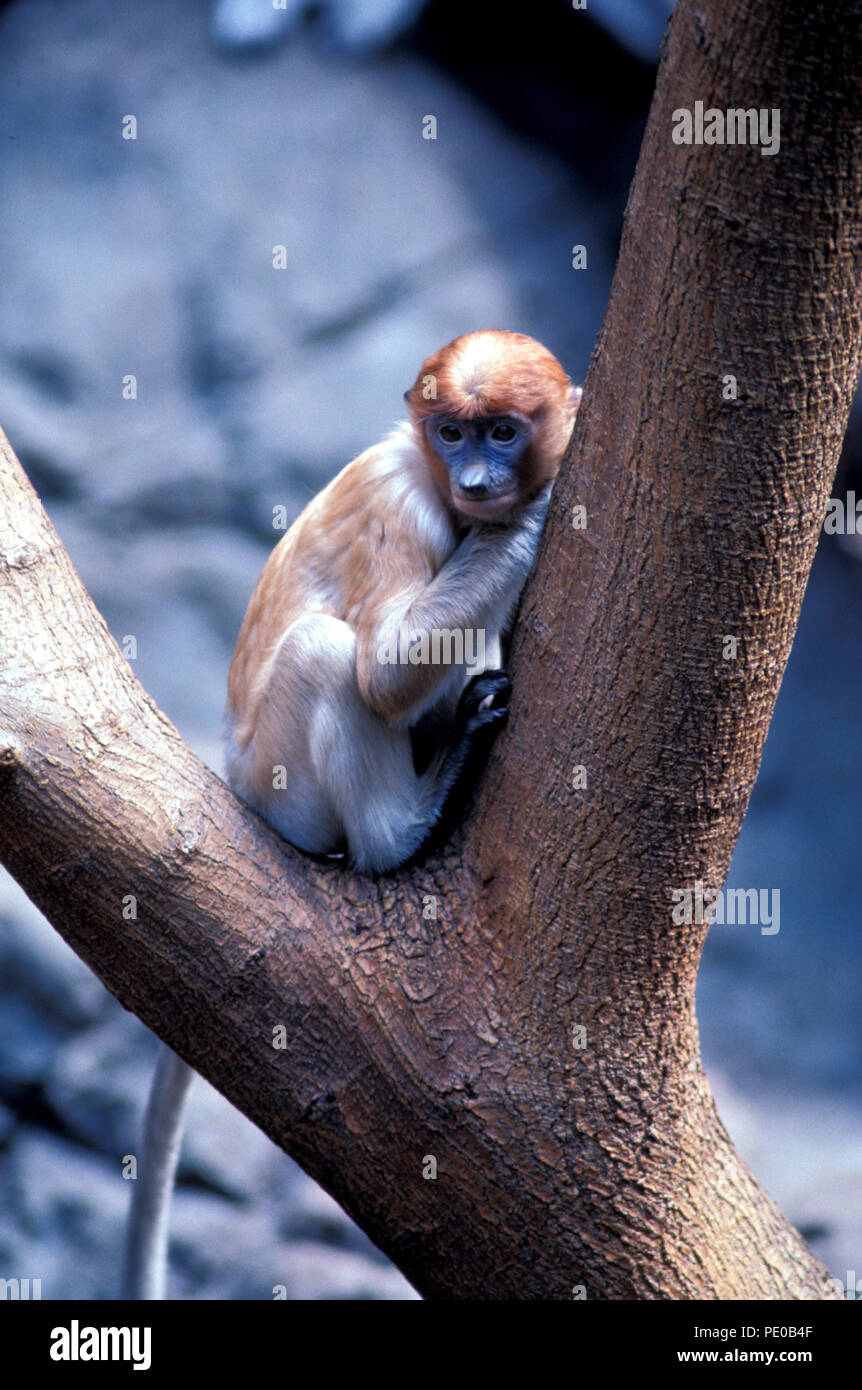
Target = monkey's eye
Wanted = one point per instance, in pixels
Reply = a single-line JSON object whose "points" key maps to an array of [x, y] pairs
{"points": [[450, 434], [504, 434]]}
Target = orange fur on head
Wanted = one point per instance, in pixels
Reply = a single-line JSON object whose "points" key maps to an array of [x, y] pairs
{"points": [[489, 373]]}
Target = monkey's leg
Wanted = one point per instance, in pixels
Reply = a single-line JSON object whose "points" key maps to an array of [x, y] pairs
{"points": [[481, 714], [145, 1261], [349, 775]]}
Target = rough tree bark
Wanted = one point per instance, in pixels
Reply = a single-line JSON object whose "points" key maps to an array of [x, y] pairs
{"points": [[604, 1165]]}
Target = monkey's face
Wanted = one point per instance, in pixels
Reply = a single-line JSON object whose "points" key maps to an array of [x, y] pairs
{"points": [[483, 458]]}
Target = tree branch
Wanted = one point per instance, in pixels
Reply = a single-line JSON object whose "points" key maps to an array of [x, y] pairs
{"points": [[603, 1165]]}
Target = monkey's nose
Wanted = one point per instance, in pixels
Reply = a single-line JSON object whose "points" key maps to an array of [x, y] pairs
{"points": [[474, 481]]}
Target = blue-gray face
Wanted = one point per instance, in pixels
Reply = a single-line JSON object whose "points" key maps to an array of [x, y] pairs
{"points": [[481, 458]]}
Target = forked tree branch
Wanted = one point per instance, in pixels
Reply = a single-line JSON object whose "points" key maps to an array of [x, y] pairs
{"points": [[600, 1165]]}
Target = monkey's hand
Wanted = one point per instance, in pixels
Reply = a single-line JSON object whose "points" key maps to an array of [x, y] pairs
{"points": [[530, 519], [484, 704], [536, 510]]}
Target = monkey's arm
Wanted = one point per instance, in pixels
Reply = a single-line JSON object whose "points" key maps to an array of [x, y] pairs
{"points": [[476, 589]]}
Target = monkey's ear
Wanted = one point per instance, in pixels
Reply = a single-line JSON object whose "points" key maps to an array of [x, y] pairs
{"points": [[407, 395]]}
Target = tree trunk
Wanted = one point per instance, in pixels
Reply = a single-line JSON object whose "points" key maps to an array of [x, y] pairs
{"points": [[564, 1158]]}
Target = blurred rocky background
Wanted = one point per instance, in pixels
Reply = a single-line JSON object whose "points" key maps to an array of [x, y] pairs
{"points": [[152, 258]]}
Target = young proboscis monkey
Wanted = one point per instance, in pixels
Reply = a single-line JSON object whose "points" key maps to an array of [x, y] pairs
{"points": [[367, 673]]}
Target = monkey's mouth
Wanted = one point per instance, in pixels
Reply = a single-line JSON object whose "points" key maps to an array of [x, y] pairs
{"points": [[485, 507]]}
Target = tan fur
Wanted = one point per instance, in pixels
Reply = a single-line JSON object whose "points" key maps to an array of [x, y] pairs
{"points": [[385, 541], [358, 545]]}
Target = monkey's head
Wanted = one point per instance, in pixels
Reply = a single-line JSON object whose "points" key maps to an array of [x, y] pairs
{"points": [[493, 412]]}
